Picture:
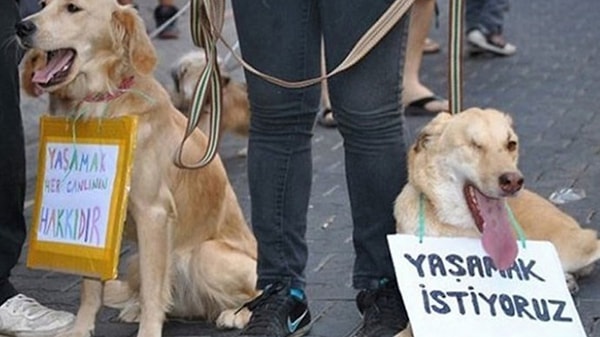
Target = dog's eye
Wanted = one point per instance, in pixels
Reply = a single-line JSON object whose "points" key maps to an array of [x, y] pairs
{"points": [[511, 146], [71, 8], [42, 4]]}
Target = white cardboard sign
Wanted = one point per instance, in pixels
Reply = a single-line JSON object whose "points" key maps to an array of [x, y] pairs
{"points": [[451, 284], [77, 192]]}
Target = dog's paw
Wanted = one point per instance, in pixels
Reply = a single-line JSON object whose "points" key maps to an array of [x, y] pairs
{"points": [[131, 312], [233, 319], [571, 283]]}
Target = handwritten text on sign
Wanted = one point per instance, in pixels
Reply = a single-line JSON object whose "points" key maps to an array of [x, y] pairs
{"points": [[77, 191], [452, 283]]}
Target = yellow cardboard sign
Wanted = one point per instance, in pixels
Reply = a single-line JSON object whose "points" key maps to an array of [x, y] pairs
{"points": [[81, 195]]}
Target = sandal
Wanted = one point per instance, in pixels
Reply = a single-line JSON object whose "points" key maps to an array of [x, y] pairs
{"points": [[326, 119], [418, 107], [431, 47]]}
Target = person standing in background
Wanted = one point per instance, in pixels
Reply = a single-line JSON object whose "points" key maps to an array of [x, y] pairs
{"points": [[165, 10], [418, 98], [485, 27]]}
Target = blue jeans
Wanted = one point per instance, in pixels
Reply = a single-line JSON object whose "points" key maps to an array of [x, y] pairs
{"points": [[486, 15], [283, 38], [12, 150]]}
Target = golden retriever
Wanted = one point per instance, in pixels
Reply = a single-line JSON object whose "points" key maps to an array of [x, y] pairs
{"points": [[197, 255], [465, 168], [235, 116]]}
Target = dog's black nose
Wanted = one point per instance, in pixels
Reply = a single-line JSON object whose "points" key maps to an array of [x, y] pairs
{"points": [[511, 182], [25, 28]]}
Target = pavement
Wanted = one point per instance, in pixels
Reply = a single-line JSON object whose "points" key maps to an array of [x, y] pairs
{"points": [[549, 87]]}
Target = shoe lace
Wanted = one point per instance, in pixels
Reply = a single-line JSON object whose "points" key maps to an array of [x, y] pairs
{"points": [[265, 308]]}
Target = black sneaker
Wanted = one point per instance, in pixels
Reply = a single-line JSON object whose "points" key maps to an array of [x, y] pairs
{"points": [[384, 314], [276, 313]]}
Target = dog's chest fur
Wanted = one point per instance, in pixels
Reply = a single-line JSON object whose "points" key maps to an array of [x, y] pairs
{"points": [[450, 207]]}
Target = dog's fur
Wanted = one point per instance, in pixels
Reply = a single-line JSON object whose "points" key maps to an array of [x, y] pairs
{"points": [[478, 147], [197, 255], [235, 114]]}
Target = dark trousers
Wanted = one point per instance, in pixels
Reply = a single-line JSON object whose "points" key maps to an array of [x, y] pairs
{"points": [[12, 151], [283, 38]]}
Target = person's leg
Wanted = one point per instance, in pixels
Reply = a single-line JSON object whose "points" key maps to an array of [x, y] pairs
{"points": [[486, 34], [19, 314], [473, 10], [415, 95], [366, 100], [280, 38], [492, 16], [12, 169], [28, 7], [165, 10]]}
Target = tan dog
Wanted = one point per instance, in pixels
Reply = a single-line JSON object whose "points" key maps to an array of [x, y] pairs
{"points": [[235, 116], [465, 166], [197, 255]]}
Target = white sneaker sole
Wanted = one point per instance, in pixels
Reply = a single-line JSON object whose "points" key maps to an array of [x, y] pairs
{"points": [[477, 39]]}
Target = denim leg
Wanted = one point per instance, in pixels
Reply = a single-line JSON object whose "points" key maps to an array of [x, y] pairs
{"points": [[281, 38], [486, 15], [12, 152], [366, 102], [473, 9], [492, 15]]}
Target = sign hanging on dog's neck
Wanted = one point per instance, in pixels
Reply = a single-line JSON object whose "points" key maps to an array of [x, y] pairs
{"points": [[81, 194], [451, 283]]}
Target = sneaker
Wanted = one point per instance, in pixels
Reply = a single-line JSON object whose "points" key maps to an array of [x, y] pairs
{"points": [[162, 14], [21, 316], [494, 43], [276, 313], [383, 311]]}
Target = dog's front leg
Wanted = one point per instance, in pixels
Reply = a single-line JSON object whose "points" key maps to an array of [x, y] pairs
{"points": [[154, 222], [91, 301]]}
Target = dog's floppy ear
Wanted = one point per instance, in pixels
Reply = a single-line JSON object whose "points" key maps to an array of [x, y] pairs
{"points": [[432, 130], [130, 31]]}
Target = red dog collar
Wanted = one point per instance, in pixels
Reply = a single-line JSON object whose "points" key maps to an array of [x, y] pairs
{"points": [[125, 84]]}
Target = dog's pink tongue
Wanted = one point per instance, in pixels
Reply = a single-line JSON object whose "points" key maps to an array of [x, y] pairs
{"points": [[55, 64], [498, 238]]}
